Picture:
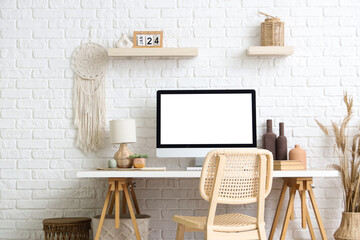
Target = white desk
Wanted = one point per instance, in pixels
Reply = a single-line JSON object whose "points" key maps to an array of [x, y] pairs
{"points": [[194, 174], [295, 180]]}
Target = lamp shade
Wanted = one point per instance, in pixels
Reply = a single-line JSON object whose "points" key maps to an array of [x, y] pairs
{"points": [[123, 131]]}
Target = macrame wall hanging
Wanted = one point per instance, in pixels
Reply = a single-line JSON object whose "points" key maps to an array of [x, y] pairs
{"points": [[89, 62]]}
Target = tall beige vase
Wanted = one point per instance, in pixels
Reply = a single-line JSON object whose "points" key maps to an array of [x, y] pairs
{"points": [[349, 227], [298, 153]]}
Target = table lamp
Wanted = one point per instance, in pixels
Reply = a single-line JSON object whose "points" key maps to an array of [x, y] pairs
{"points": [[123, 131]]}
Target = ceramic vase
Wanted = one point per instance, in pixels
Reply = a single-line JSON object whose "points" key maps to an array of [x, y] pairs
{"points": [[281, 144], [139, 162], [269, 139], [112, 163], [298, 153], [122, 157], [349, 227], [124, 42]]}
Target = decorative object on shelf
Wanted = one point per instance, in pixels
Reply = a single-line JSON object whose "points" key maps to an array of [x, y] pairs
{"points": [[112, 163], [269, 139], [272, 31], [148, 39], [89, 62], [139, 160], [281, 144], [123, 131], [298, 153], [67, 228], [348, 152], [124, 42], [288, 165]]}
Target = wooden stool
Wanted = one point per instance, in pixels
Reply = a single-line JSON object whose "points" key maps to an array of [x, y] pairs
{"points": [[67, 228], [301, 185], [115, 186]]}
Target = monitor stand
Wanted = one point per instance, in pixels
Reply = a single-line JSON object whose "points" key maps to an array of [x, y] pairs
{"points": [[199, 161]]}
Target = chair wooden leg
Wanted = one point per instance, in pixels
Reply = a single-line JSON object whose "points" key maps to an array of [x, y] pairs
{"points": [[136, 205], [317, 212], [131, 211], [278, 210], [262, 233], [288, 212], [180, 232], [111, 206], [103, 213]]}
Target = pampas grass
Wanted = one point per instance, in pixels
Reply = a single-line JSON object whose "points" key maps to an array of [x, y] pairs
{"points": [[349, 157]]}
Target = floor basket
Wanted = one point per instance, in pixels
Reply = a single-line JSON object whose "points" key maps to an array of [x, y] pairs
{"points": [[126, 230], [67, 228]]}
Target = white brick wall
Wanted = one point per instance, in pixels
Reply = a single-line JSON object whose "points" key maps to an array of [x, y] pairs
{"points": [[37, 146]]}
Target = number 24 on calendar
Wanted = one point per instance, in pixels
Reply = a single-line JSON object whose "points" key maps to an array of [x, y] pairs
{"points": [[151, 39]]}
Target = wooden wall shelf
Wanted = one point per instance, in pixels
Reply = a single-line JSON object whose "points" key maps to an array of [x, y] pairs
{"points": [[270, 51], [152, 52]]}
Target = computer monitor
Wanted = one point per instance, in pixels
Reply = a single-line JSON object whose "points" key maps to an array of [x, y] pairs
{"points": [[190, 123]]}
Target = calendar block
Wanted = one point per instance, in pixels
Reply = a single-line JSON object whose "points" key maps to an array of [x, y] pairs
{"points": [[148, 39]]}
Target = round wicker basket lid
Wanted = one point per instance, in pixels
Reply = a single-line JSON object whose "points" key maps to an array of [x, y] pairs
{"points": [[275, 19], [66, 220]]}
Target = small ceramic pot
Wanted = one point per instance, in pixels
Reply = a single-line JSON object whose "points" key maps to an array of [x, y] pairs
{"points": [[298, 153], [112, 163], [139, 162]]}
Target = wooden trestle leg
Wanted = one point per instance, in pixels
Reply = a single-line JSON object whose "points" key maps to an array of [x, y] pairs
{"points": [[116, 185], [302, 185]]}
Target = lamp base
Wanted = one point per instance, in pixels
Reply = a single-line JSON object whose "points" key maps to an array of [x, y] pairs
{"points": [[122, 156]]}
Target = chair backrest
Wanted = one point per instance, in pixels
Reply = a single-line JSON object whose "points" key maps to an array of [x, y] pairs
{"points": [[240, 175]]}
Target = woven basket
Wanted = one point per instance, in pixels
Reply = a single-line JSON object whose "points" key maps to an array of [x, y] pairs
{"points": [[272, 32], [349, 227], [67, 228], [126, 230]]}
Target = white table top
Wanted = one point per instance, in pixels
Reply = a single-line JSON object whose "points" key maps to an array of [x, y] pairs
{"points": [[194, 174]]}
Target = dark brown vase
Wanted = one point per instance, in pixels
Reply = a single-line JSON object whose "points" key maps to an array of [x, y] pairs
{"points": [[269, 139], [281, 144]]}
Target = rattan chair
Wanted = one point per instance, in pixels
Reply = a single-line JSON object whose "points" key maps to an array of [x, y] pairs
{"points": [[233, 176]]}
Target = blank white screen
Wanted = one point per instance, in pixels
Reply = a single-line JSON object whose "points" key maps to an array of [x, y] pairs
{"points": [[206, 119]]}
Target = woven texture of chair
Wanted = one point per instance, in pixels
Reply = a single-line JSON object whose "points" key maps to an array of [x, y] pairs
{"points": [[232, 176], [67, 228]]}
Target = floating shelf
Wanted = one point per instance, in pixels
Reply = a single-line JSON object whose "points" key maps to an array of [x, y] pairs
{"points": [[152, 52], [270, 51]]}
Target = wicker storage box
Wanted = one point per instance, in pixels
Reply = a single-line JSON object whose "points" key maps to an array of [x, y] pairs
{"points": [[67, 228], [272, 32], [126, 230]]}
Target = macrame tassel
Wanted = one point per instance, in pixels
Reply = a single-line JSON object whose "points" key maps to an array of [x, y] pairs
{"points": [[89, 114], [89, 96]]}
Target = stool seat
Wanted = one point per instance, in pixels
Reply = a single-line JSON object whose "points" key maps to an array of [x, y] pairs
{"points": [[232, 222], [67, 228]]}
